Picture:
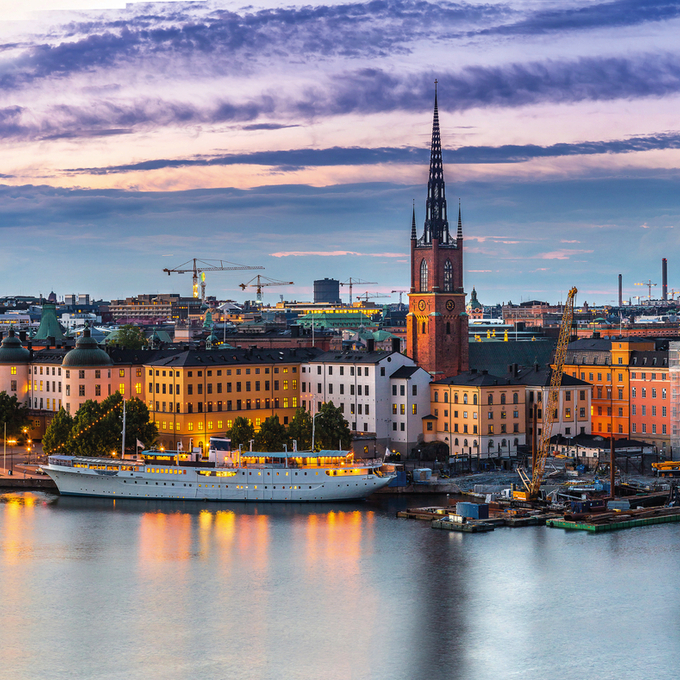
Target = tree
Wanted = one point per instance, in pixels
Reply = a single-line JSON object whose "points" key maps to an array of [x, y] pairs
{"points": [[137, 423], [56, 437], [14, 413], [130, 337], [97, 428], [272, 435], [300, 430], [241, 432], [331, 428]]}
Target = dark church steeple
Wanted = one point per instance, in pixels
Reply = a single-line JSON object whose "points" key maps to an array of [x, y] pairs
{"points": [[437, 325], [436, 220]]}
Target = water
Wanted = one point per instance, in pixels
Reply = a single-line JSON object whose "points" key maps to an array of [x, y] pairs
{"points": [[95, 589]]}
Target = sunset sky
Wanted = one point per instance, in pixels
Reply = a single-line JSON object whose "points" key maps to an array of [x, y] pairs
{"points": [[295, 137]]}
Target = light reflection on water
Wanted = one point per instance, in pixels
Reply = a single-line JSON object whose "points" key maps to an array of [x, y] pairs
{"points": [[92, 589]]}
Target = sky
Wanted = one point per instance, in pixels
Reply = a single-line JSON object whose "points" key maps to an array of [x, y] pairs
{"points": [[136, 136]]}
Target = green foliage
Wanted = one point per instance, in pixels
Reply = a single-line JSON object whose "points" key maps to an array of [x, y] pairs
{"points": [[14, 414], [272, 435], [97, 428], [241, 433], [300, 430], [331, 428], [130, 337], [56, 438]]}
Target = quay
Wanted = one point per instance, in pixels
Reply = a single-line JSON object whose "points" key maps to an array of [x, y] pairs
{"points": [[25, 478]]}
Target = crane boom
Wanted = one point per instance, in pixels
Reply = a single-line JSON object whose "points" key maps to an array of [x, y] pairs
{"points": [[206, 266], [533, 485]]}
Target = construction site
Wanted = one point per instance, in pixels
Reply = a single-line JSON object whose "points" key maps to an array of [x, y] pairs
{"points": [[549, 491]]}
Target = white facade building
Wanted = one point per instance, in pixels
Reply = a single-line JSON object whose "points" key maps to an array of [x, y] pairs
{"points": [[383, 395]]}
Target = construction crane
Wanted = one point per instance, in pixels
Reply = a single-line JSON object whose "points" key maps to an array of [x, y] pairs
{"points": [[401, 292], [199, 267], [649, 285], [260, 282], [351, 282], [369, 296], [532, 485]]}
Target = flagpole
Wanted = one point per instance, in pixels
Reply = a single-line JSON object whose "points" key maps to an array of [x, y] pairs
{"points": [[122, 448]]}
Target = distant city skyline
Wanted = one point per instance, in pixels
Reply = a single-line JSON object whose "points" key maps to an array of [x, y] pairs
{"points": [[296, 137]]}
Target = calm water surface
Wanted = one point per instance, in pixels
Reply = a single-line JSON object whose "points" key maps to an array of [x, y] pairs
{"points": [[133, 589]]}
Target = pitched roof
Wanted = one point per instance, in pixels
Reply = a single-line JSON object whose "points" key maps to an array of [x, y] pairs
{"points": [[404, 373]]}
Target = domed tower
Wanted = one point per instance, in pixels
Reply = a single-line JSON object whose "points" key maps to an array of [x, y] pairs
{"points": [[87, 372], [437, 323], [14, 367]]}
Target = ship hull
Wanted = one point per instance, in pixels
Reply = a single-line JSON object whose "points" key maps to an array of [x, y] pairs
{"points": [[261, 485]]}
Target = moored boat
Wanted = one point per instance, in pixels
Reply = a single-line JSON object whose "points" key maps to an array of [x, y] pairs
{"points": [[225, 475]]}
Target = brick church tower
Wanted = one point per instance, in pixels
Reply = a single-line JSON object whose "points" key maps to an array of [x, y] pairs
{"points": [[437, 324]]}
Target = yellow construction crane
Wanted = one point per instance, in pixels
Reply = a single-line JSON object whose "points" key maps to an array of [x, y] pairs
{"points": [[260, 282], [532, 485], [201, 266]]}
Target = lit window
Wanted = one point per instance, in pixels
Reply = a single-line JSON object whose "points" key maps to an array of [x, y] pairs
{"points": [[121, 372], [200, 424], [138, 388], [190, 427], [121, 388], [13, 370]]}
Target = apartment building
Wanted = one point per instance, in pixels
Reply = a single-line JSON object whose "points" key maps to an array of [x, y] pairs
{"points": [[650, 398], [383, 395], [476, 413]]}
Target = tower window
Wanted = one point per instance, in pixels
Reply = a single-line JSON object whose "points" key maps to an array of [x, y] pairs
{"points": [[448, 328], [423, 276], [424, 331], [448, 276]]}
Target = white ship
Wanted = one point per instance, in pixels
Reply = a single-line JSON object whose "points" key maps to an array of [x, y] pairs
{"points": [[225, 476]]}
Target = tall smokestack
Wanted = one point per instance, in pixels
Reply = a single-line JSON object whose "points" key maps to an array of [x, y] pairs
{"points": [[620, 290], [664, 279]]}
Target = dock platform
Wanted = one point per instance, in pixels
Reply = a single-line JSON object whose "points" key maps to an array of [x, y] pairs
{"points": [[472, 527], [623, 521]]}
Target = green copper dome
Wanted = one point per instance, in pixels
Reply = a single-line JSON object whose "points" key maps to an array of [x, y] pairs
{"points": [[87, 353], [12, 351]]}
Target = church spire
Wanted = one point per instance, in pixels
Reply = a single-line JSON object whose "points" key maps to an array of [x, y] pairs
{"points": [[414, 234], [459, 235], [436, 223]]}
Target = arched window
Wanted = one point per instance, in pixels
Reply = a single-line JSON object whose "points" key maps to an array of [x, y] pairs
{"points": [[448, 328], [465, 398], [503, 442], [455, 397], [448, 277], [516, 441], [490, 443], [490, 399], [436, 396], [423, 277], [465, 442], [515, 398], [474, 400], [456, 441], [503, 398], [446, 397]]}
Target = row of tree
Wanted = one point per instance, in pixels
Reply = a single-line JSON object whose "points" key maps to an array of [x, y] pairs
{"points": [[330, 431], [97, 428]]}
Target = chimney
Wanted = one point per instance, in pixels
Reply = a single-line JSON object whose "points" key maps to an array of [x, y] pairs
{"points": [[620, 290], [51, 341], [22, 336], [396, 345], [295, 331], [664, 279], [370, 345]]}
